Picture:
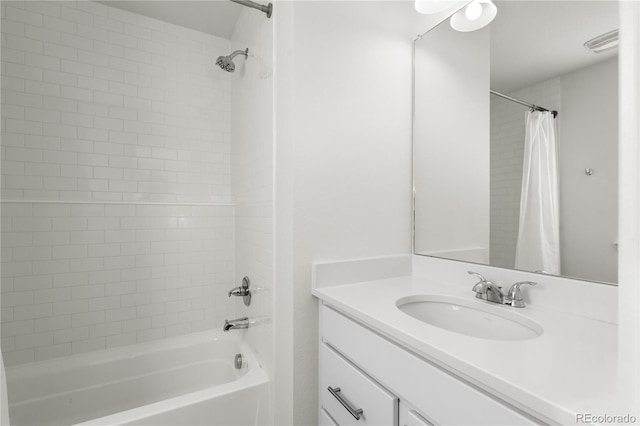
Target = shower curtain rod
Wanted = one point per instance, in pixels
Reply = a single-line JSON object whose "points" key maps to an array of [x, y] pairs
{"points": [[268, 9], [521, 102]]}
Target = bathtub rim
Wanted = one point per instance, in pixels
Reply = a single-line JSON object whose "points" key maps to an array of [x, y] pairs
{"points": [[88, 359]]}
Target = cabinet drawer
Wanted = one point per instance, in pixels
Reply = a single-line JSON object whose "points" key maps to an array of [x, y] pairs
{"points": [[427, 387], [415, 419], [410, 417], [356, 390]]}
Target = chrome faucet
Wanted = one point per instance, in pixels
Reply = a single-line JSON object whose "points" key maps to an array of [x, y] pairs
{"points": [[236, 324], [515, 296], [486, 290], [242, 291]]}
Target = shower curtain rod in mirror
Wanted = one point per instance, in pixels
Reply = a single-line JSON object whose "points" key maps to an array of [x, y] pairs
{"points": [[268, 9], [521, 102]]}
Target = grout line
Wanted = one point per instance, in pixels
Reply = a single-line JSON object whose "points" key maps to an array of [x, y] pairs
{"points": [[153, 203]]}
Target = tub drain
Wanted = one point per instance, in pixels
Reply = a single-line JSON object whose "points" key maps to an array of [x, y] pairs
{"points": [[239, 359]]}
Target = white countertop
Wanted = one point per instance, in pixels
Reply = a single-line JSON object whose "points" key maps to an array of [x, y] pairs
{"points": [[571, 368]]}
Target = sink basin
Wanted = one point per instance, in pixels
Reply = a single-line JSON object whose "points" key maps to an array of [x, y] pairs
{"points": [[470, 317]]}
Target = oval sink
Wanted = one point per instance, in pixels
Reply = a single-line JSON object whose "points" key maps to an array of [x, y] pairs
{"points": [[470, 317]]}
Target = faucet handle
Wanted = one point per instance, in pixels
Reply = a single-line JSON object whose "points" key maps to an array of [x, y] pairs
{"points": [[243, 291], [515, 294], [480, 288], [477, 275], [238, 291]]}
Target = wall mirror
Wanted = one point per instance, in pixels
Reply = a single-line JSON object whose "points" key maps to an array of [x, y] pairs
{"points": [[496, 183]]}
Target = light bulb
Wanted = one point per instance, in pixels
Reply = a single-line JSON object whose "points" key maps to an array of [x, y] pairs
{"points": [[473, 11], [475, 16]]}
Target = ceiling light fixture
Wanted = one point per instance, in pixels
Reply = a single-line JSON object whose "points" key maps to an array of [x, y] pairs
{"points": [[476, 15]]}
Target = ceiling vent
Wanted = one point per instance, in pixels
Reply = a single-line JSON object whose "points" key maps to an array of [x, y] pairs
{"points": [[603, 43]]}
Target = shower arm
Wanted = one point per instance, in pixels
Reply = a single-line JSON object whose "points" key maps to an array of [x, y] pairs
{"points": [[268, 9], [240, 52]]}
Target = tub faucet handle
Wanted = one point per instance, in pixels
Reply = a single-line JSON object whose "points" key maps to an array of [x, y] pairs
{"points": [[238, 291], [243, 291]]}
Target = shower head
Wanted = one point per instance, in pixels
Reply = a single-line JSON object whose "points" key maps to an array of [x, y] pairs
{"points": [[226, 62]]}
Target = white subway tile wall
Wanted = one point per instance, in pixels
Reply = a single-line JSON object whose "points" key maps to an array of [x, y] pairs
{"points": [[80, 277], [121, 124], [507, 156], [102, 104]]}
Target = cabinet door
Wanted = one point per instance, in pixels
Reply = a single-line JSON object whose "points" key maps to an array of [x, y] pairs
{"points": [[351, 397], [325, 418]]}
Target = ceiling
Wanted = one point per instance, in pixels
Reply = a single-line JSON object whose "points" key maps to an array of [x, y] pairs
{"points": [[532, 41], [217, 17]]}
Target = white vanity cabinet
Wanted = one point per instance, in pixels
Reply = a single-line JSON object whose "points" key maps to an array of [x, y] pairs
{"points": [[393, 386]]}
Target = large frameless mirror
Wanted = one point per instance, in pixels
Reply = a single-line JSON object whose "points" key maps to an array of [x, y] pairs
{"points": [[499, 178]]}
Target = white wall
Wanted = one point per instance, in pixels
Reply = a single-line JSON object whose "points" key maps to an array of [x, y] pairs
{"points": [[629, 213], [283, 291], [115, 149], [451, 148], [346, 131], [588, 138], [252, 180]]}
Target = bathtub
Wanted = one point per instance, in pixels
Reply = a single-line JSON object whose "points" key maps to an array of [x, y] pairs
{"points": [[186, 380]]}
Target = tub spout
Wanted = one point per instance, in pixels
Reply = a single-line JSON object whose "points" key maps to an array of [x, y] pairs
{"points": [[235, 324]]}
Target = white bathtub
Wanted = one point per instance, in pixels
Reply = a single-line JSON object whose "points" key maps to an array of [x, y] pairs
{"points": [[187, 380]]}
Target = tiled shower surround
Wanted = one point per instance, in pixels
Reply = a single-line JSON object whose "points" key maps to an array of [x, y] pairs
{"points": [[101, 104], [82, 277], [117, 217]]}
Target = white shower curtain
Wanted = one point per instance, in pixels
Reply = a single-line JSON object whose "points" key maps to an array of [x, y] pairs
{"points": [[538, 247]]}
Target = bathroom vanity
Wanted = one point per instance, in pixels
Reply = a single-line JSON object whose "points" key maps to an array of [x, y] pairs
{"points": [[390, 383], [382, 364]]}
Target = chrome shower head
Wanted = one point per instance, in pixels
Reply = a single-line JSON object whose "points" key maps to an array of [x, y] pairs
{"points": [[226, 62]]}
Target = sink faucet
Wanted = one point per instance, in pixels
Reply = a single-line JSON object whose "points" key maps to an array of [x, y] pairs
{"points": [[486, 290], [235, 324]]}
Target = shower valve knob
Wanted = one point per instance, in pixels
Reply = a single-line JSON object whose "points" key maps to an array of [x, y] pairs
{"points": [[238, 291], [243, 291]]}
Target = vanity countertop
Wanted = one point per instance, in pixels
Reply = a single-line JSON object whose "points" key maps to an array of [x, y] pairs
{"points": [[570, 369]]}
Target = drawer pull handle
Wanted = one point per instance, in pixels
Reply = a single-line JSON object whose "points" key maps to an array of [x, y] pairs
{"points": [[355, 412]]}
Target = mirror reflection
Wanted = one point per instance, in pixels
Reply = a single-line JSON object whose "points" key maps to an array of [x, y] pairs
{"points": [[498, 177]]}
